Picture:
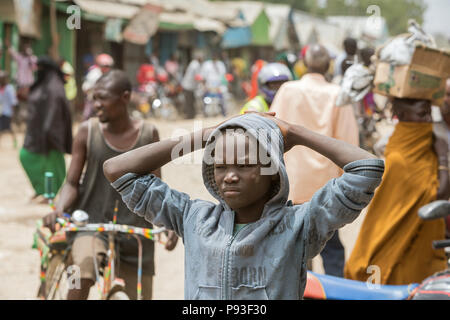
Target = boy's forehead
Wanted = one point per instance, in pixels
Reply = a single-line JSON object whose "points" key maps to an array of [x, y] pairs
{"points": [[233, 146], [233, 140]]}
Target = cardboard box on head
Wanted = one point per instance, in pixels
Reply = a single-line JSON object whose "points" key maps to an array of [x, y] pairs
{"points": [[423, 78]]}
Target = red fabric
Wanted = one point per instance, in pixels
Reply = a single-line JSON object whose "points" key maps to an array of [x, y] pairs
{"points": [[255, 71], [104, 60], [146, 74], [304, 49]]}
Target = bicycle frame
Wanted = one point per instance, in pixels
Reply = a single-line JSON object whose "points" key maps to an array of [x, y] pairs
{"points": [[112, 229], [109, 272]]}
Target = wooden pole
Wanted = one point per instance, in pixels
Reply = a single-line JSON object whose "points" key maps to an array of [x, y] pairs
{"points": [[53, 51]]}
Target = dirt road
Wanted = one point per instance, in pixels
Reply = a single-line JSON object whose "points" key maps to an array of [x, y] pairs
{"points": [[19, 264]]}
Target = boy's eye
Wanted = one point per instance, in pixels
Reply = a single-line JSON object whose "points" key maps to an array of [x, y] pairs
{"points": [[244, 165]]}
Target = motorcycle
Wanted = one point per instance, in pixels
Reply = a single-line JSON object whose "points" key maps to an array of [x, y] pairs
{"points": [[156, 99], [167, 100], [213, 103], [435, 287], [142, 99]]}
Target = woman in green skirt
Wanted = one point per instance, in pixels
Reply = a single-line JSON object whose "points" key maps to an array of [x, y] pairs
{"points": [[49, 128]]}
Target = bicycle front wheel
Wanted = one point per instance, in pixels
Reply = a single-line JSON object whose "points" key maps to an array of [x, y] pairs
{"points": [[118, 295], [56, 282]]}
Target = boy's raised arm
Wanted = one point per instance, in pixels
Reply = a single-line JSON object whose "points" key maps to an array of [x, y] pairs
{"points": [[338, 151], [151, 157], [144, 193], [341, 200]]}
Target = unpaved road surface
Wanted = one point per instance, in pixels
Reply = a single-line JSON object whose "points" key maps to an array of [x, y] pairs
{"points": [[19, 263]]}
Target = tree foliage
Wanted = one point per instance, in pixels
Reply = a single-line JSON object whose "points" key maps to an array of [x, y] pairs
{"points": [[396, 12]]}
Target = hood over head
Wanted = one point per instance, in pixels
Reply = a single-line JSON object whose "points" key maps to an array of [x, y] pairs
{"points": [[269, 137]]}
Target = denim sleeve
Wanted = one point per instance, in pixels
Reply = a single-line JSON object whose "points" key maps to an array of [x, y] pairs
{"points": [[340, 202], [149, 197]]}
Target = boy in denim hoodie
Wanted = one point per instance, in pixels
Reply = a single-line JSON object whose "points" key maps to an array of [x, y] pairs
{"points": [[254, 243]]}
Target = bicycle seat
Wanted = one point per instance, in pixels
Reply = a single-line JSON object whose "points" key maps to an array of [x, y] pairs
{"points": [[320, 286]]}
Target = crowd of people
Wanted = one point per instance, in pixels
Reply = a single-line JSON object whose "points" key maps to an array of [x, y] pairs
{"points": [[257, 242]]}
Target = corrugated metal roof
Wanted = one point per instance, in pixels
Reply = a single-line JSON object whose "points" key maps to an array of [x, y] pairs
{"points": [[216, 10], [250, 9], [308, 26], [278, 15], [7, 12], [187, 19], [206, 24], [373, 27], [195, 14], [108, 9]]}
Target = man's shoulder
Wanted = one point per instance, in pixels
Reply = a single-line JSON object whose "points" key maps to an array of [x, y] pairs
{"points": [[145, 124], [294, 85], [85, 124], [83, 130], [149, 132], [307, 83]]}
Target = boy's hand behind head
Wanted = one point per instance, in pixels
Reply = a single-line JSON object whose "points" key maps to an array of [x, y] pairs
{"points": [[283, 125], [172, 240]]}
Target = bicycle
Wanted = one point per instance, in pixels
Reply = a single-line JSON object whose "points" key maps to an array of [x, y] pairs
{"points": [[55, 252]]}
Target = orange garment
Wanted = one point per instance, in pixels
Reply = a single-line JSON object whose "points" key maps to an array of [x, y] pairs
{"points": [[256, 68], [392, 236], [310, 102]]}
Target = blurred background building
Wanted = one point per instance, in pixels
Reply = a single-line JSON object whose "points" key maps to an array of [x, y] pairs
{"points": [[133, 30]]}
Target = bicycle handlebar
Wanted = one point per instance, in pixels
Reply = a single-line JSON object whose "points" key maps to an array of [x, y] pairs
{"points": [[110, 227], [441, 244]]}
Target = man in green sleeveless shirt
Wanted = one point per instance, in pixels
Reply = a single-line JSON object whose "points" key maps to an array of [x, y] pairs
{"points": [[111, 133]]}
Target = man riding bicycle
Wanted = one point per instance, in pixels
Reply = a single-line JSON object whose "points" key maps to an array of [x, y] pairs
{"points": [[111, 133]]}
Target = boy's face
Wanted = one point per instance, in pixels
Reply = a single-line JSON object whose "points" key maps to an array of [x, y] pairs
{"points": [[237, 174], [275, 85]]}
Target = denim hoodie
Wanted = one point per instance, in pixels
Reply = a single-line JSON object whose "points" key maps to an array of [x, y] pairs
{"points": [[265, 259]]}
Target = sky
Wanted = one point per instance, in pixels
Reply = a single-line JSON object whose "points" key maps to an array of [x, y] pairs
{"points": [[437, 17]]}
